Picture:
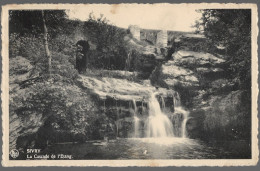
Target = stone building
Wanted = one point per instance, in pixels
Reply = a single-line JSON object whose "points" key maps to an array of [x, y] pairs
{"points": [[149, 36], [135, 31], [162, 38], [156, 37]]}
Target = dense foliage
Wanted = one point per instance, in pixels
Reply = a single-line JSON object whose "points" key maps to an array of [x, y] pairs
{"points": [[55, 102], [36, 27], [110, 46], [231, 30], [30, 22], [228, 32]]}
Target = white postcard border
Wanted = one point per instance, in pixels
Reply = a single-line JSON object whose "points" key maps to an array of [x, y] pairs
{"points": [[124, 163]]}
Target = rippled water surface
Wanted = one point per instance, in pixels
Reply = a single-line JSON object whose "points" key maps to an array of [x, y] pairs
{"points": [[148, 148]]}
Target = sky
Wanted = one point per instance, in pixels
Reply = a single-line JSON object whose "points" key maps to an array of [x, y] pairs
{"points": [[161, 16]]}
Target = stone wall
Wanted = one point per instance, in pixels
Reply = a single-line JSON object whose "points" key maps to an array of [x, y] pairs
{"points": [[135, 31], [155, 37], [149, 36], [162, 38]]}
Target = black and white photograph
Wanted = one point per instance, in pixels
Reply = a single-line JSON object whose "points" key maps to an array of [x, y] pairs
{"points": [[129, 84]]}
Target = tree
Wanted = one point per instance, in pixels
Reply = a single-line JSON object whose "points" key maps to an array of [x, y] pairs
{"points": [[231, 29], [43, 24], [198, 27], [46, 45], [109, 40]]}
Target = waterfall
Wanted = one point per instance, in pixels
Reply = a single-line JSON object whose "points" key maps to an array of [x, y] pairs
{"points": [[134, 106], [185, 114], [185, 118], [176, 100], [136, 121], [158, 124], [163, 103], [117, 120], [179, 109]]}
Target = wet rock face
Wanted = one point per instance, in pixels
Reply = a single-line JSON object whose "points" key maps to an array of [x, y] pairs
{"points": [[189, 72], [197, 58], [188, 68], [120, 100], [208, 93], [222, 117], [19, 71], [24, 126], [175, 74], [121, 89], [177, 120], [68, 110]]}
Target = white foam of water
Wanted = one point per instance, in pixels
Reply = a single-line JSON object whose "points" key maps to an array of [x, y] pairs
{"points": [[163, 103], [136, 121], [185, 119], [158, 124], [164, 140]]}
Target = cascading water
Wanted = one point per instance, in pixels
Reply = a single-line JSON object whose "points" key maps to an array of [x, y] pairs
{"points": [[181, 121], [180, 110], [176, 99], [163, 103], [136, 121], [158, 124], [185, 115]]}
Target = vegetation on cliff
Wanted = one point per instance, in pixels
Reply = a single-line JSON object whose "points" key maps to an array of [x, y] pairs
{"points": [[53, 99], [213, 76], [46, 94], [231, 30], [224, 98]]}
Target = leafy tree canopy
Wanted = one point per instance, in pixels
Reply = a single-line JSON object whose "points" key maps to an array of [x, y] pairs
{"points": [[109, 40], [231, 29], [30, 21]]}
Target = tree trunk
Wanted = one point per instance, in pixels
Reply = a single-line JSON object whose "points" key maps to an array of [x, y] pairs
{"points": [[46, 44]]}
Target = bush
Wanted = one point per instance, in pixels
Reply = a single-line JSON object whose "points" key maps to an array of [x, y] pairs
{"points": [[63, 68], [28, 46], [66, 107], [231, 29], [228, 117], [111, 52]]}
